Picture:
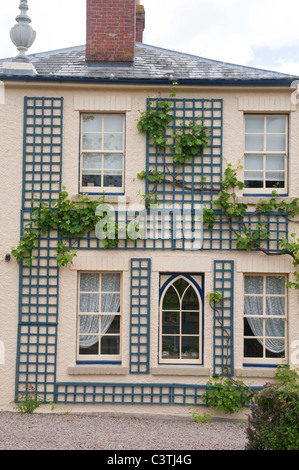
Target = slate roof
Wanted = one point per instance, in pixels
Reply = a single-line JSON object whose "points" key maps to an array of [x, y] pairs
{"points": [[151, 64]]}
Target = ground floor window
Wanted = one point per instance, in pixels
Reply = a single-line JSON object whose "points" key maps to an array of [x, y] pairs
{"points": [[99, 316], [180, 319], [264, 319]]}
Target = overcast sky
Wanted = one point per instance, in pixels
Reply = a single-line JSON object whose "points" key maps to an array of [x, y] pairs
{"points": [[258, 33]]}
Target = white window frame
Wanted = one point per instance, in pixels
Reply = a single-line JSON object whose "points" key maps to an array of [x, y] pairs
{"points": [[102, 189], [99, 357], [264, 153], [181, 360], [265, 360]]}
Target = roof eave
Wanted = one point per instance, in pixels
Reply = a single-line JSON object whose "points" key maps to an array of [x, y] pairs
{"points": [[262, 82]]}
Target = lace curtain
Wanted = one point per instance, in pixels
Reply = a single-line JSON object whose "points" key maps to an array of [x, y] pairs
{"points": [[274, 327], [110, 303]]}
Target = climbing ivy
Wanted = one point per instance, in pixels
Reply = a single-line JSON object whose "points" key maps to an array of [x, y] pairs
{"points": [[72, 218], [189, 141], [248, 238]]}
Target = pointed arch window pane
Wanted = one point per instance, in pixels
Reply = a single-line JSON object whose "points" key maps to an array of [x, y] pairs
{"points": [[181, 285], [190, 300], [171, 300]]}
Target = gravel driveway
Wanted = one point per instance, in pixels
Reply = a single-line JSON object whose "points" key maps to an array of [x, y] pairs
{"points": [[101, 432]]}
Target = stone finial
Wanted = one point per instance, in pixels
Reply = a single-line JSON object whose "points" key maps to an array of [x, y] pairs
{"points": [[22, 34]]}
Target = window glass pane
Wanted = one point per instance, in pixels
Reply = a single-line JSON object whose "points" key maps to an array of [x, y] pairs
{"points": [[275, 184], [92, 160], [275, 306], [89, 302], [113, 141], [275, 348], [113, 124], [190, 323], [171, 347], [247, 330], [110, 324], [89, 324], [274, 177], [93, 349], [92, 142], [113, 161], [275, 329], [190, 347], [253, 348], [253, 305], [110, 302], [111, 282], [190, 300], [90, 178], [254, 143], [275, 285], [170, 323], [254, 162], [276, 125], [110, 345], [275, 162], [113, 179], [276, 142], [254, 285], [254, 125], [92, 123], [254, 180], [256, 325], [89, 282], [171, 300]]}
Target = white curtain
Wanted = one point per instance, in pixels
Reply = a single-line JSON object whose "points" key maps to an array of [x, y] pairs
{"points": [[274, 306], [110, 302]]}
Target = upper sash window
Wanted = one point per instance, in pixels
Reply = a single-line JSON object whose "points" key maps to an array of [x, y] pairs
{"points": [[266, 147], [102, 153]]}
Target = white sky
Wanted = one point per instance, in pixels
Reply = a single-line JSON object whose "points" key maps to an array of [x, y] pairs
{"points": [[259, 33]]}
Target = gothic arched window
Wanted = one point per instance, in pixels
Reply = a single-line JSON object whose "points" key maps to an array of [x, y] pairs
{"points": [[181, 321]]}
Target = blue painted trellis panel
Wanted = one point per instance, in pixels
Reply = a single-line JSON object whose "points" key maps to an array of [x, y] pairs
{"points": [[199, 177], [171, 394], [140, 316], [38, 283], [224, 318]]}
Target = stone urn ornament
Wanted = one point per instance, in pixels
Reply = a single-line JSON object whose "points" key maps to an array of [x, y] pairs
{"points": [[22, 34]]}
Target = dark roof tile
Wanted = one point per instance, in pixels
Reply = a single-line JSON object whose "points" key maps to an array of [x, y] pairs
{"points": [[151, 63]]}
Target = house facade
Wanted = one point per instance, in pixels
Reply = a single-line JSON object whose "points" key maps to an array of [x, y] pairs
{"points": [[125, 327]]}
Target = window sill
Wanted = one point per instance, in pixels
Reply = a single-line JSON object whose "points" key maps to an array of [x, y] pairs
{"points": [[109, 199], [254, 198], [97, 370], [256, 372], [181, 370]]}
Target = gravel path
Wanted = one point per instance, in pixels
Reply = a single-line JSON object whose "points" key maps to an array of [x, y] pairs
{"points": [[101, 432]]}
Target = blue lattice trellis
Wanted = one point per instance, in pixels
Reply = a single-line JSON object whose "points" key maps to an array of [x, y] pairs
{"points": [[38, 285], [224, 318], [206, 168], [140, 316]]}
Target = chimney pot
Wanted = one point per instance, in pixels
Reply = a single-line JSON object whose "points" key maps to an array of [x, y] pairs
{"points": [[140, 21]]}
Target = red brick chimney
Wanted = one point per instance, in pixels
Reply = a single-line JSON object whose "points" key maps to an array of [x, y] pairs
{"points": [[111, 30]]}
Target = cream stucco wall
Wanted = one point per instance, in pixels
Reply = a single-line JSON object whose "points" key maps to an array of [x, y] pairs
{"points": [[130, 101]]}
